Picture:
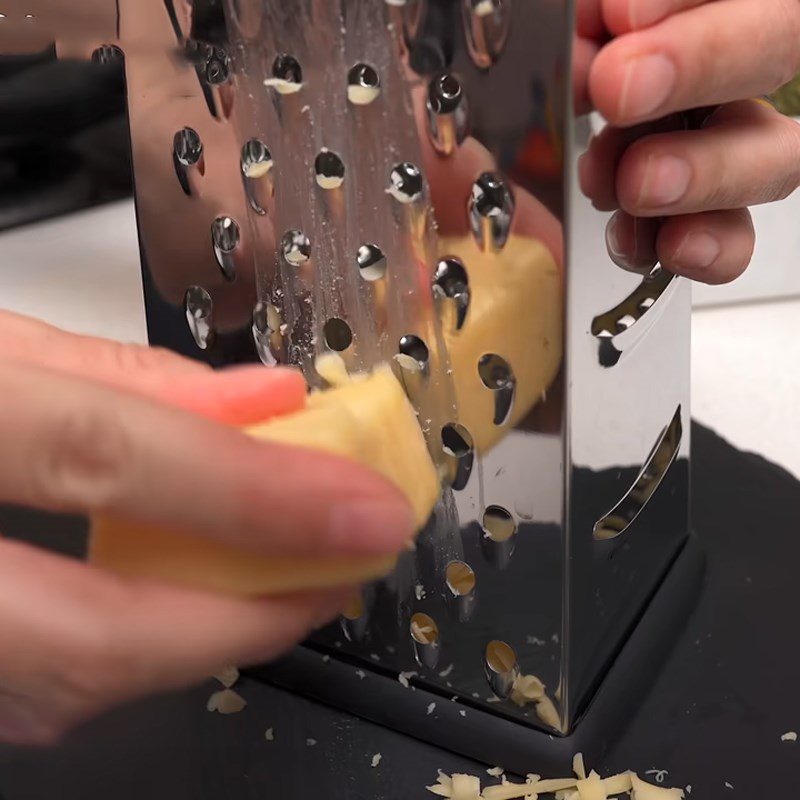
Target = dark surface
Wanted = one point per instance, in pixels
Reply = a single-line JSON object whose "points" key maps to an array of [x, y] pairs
{"points": [[714, 714], [64, 142]]}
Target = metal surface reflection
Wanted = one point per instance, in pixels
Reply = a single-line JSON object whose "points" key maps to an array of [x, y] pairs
{"points": [[402, 187]]}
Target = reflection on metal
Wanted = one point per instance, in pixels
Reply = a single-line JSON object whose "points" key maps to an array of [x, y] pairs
{"points": [[413, 355], [459, 448], [187, 156], [257, 174], [355, 617], [502, 667], [225, 236], [329, 170], [363, 84], [624, 325], [406, 183], [487, 24], [666, 449], [371, 262], [447, 113], [267, 334], [451, 285], [338, 335], [498, 538], [491, 212], [199, 308], [460, 580], [497, 376], [425, 638]]}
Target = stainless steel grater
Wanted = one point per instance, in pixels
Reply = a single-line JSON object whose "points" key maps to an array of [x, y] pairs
{"points": [[365, 178]]}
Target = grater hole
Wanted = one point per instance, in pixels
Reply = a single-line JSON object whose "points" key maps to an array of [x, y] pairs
{"points": [[338, 335], [225, 236], [296, 248], [501, 666], [287, 74], [363, 84], [329, 169], [488, 24], [266, 327], [501, 658], [498, 524], [445, 93], [354, 608], [452, 282], [424, 630], [413, 354], [199, 309], [460, 578], [371, 262], [256, 160], [491, 211], [496, 374], [457, 440], [187, 147], [108, 54], [406, 183]]}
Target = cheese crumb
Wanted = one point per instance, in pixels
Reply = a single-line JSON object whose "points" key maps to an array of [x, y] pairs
{"points": [[728, 785], [791, 736], [404, 677], [227, 676], [361, 674], [283, 86], [431, 707], [495, 772], [311, 742], [226, 702], [270, 735], [376, 759]]}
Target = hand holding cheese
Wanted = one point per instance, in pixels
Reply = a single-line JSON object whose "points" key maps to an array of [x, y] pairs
{"points": [[88, 424]]}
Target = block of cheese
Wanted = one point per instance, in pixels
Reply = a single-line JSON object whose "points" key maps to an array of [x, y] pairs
{"points": [[369, 420], [515, 312]]}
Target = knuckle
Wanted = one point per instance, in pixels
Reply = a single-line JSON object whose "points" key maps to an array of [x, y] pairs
{"points": [[133, 358], [86, 461]]}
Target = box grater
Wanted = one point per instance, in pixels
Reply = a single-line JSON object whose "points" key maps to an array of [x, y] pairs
{"points": [[370, 178]]}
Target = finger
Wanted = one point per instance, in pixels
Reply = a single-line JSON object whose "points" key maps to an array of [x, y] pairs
{"points": [[632, 242], [747, 154], [597, 167], [84, 640], [697, 58], [76, 446], [624, 16], [584, 52], [589, 22], [714, 247], [241, 396]]}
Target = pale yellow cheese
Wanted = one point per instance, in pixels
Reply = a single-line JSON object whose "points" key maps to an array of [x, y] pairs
{"points": [[515, 312], [370, 422]]}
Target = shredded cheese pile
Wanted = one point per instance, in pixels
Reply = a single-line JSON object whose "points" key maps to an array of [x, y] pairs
{"points": [[582, 787]]}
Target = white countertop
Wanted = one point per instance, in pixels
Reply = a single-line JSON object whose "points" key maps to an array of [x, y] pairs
{"points": [[82, 273]]}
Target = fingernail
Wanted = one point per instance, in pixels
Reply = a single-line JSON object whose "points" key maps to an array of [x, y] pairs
{"points": [[697, 251], [647, 83], [666, 180], [368, 526]]}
